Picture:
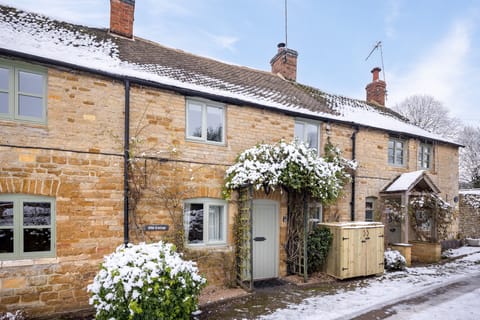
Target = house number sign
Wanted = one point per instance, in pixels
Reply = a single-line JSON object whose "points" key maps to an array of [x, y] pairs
{"points": [[156, 227]]}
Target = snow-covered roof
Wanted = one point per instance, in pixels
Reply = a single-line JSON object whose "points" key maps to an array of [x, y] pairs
{"points": [[97, 49], [405, 181]]}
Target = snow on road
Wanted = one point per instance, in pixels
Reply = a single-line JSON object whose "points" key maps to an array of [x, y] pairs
{"points": [[378, 292], [464, 307]]}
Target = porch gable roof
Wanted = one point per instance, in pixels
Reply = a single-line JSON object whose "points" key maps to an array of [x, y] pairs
{"points": [[409, 181]]}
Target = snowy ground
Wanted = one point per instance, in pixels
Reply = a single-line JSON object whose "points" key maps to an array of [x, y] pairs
{"points": [[375, 293]]}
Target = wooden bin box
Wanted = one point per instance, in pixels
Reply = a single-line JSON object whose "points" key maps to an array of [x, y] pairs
{"points": [[356, 250]]}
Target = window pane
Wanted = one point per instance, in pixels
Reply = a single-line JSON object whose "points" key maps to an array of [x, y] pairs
{"points": [[316, 213], [391, 148], [369, 215], [4, 79], [35, 240], [298, 131], [30, 106], [215, 223], [214, 124], [398, 156], [194, 117], [398, 152], [30, 83], [312, 136], [426, 161], [6, 214], [36, 214], [6, 240], [3, 102], [195, 222]]}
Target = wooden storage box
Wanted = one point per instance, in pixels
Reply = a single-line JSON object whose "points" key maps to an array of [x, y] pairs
{"points": [[356, 250]]}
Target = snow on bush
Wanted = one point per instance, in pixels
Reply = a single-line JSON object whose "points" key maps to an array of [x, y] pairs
{"points": [[146, 281], [394, 260], [293, 166], [18, 315], [473, 200]]}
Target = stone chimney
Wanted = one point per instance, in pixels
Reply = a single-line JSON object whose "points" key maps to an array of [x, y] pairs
{"points": [[285, 62], [121, 17], [377, 89]]}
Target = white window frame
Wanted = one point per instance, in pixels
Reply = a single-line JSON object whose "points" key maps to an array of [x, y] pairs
{"points": [[404, 153], [373, 201], [13, 90], [421, 154], [18, 227], [315, 214], [304, 137], [206, 202], [204, 104]]}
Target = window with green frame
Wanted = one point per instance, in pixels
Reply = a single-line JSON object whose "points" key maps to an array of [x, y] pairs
{"points": [[425, 151], [396, 151], [23, 91], [205, 121], [307, 132], [205, 221], [27, 227]]}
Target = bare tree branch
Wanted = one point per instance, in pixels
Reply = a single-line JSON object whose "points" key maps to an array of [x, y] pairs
{"points": [[429, 114], [470, 157]]}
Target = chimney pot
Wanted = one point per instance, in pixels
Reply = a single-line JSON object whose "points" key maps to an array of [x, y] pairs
{"points": [[376, 73], [121, 17]]}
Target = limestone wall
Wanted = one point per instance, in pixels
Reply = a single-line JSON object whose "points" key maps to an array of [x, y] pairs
{"points": [[469, 225]]}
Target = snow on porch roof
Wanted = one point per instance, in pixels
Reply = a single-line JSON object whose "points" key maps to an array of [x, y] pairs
{"points": [[407, 181]]}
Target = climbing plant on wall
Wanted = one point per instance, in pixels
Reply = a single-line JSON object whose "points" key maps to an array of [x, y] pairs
{"points": [[430, 213]]}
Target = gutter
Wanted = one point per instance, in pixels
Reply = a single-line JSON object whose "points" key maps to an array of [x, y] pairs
{"points": [[197, 93], [352, 199], [126, 158]]}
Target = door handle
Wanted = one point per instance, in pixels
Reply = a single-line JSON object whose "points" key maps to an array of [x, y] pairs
{"points": [[259, 239]]}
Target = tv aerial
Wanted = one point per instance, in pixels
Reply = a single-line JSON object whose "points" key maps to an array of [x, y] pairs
{"points": [[378, 46]]}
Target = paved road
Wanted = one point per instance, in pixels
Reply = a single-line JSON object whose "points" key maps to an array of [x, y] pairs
{"points": [[455, 300]]}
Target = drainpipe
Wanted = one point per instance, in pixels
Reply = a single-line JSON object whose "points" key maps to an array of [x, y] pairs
{"points": [[125, 162], [352, 201]]}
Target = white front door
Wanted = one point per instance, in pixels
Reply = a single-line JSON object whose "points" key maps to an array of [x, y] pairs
{"points": [[265, 239]]}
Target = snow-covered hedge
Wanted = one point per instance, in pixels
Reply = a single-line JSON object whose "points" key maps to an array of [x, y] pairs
{"points": [[473, 200], [394, 260], [146, 281], [293, 166]]}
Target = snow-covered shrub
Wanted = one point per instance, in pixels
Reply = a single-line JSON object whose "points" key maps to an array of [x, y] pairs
{"points": [[394, 260], [146, 281], [18, 315]]}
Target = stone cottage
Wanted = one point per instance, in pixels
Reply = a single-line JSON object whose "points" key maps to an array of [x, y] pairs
{"points": [[107, 138]]}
